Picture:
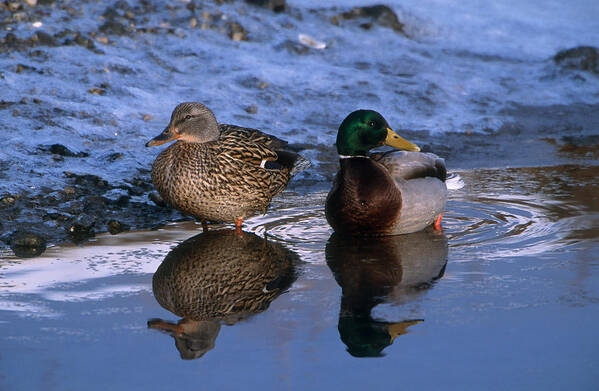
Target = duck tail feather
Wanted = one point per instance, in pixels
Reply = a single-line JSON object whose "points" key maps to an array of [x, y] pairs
{"points": [[289, 161]]}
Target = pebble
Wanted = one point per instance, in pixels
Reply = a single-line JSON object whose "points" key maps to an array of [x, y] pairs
{"points": [[237, 32], [584, 58], [8, 200], [82, 229], [96, 91], [274, 5], [116, 227], [27, 244]]}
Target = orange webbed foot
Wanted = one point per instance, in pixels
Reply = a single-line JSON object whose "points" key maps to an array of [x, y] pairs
{"points": [[437, 223], [238, 224]]}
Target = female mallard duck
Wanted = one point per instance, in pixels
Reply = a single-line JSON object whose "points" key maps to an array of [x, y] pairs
{"points": [[387, 193], [219, 172], [222, 275], [218, 276]]}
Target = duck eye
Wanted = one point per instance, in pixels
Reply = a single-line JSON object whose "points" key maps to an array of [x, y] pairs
{"points": [[371, 124], [187, 117]]}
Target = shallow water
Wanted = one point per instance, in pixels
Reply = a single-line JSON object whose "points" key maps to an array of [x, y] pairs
{"points": [[506, 297]]}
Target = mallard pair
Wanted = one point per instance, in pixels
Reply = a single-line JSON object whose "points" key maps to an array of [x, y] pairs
{"points": [[226, 173]]}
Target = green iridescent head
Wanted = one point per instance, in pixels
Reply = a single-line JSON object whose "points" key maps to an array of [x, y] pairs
{"points": [[363, 130]]}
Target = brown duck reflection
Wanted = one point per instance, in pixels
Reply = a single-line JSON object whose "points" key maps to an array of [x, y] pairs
{"points": [[218, 276], [382, 269]]}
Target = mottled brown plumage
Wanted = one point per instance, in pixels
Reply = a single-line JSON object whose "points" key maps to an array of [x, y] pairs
{"points": [[218, 276], [220, 172], [222, 275]]}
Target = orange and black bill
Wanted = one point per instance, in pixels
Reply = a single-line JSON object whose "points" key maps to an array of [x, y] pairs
{"points": [[168, 134]]}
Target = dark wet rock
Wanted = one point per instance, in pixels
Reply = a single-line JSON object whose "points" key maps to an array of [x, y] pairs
{"points": [[82, 229], [122, 201], [113, 27], [274, 5], [116, 227], [68, 38], [59, 149], [27, 244], [95, 204], [157, 199], [11, 42], [142, 183], [10, 39], [78, 211], [110, 13], [84, 41], [87, 180], [237, 32], [122, 5], [253, 82], [41, 38], [251, 109], [20, 68], [192, 6], [122, 69], [44, 39], [4, 104], [113, 157], [7, 200], [583, 146], [582, 141], [293, 47], [55, 216], [583, 58], [97, 91], [370, 16], [69, 190], [135, 191]]}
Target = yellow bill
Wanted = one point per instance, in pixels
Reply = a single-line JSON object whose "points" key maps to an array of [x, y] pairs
{"points": [[396, 141], [401, 328]]}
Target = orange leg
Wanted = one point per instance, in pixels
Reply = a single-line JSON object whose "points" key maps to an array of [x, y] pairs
{"points": [[238, 223], [437, 223], [204, 226]]}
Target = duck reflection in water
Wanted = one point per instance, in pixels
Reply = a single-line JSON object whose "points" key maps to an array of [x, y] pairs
{"points": [[373, 270], [218, 277]]}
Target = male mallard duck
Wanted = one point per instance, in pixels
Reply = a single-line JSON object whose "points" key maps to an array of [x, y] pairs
{"points": [[387, 193], [219, 172], [386, 269]]}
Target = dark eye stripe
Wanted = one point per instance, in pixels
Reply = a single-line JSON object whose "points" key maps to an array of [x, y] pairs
{"points": [[186, 118]]}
